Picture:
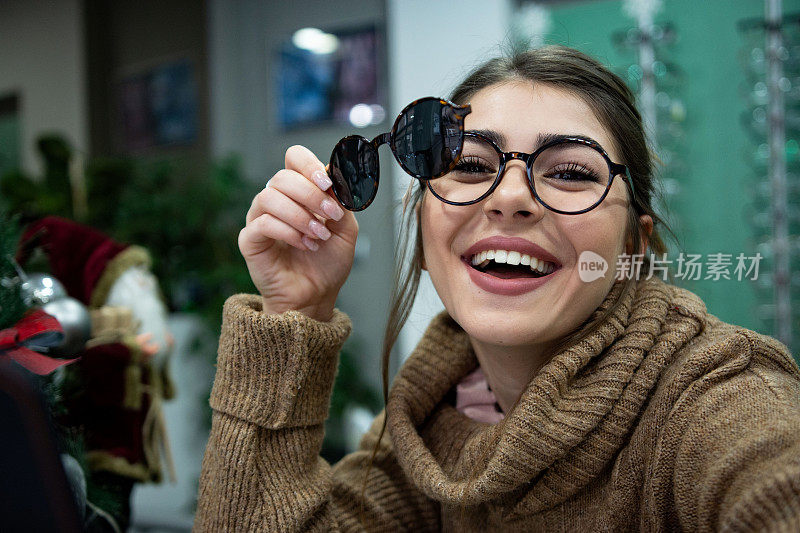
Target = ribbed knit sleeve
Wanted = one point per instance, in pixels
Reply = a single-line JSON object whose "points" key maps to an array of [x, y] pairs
{"points": [[262, 470], [276, 371], [736, 448]]}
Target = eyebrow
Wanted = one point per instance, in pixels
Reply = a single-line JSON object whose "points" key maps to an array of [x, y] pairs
{"points": [[543, 138]]}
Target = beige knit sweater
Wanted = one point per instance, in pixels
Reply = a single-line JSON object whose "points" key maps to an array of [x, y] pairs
{"points": [[665, 419]]}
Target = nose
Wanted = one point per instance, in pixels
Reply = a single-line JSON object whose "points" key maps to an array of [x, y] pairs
{"points": [[513, 198]]}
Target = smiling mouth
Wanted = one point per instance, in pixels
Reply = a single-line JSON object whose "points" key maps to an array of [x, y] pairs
{"points": [[508, 264]]}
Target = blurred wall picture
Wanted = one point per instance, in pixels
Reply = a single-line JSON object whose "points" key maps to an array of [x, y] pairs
{"points": [[158, 106], [323, 77]]}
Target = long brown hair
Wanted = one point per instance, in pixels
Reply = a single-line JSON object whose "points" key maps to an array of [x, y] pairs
{"points": [[614, 105]]}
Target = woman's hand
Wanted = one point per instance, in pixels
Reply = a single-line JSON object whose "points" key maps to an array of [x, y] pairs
{"points": [[299, 242]]}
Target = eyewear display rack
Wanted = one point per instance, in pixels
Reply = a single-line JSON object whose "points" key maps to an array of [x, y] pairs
{"points": [[657, 82], [771, 60]]}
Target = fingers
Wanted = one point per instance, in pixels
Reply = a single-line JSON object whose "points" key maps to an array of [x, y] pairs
{"points": [[305, 181], [293, 207], [301, 190], [262, 233], [288, 210], [304, 162]]}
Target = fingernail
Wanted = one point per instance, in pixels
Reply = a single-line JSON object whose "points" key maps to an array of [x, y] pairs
{"points": [[330, 208], [319, 230], [311, 245], [321, 179]]}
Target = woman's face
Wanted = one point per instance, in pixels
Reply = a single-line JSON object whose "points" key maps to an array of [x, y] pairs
{"points": [[533, 312]]}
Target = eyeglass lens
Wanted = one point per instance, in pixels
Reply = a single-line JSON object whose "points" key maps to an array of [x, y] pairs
{"points": [[426, 141], [354, 171], [567, 176], [427, 138]]}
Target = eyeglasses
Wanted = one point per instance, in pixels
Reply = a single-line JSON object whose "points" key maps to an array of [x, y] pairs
{"points": [[426, 139], [568, 175]]}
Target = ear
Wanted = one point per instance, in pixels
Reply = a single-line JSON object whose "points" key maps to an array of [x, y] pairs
{"points": [[646, 224]]}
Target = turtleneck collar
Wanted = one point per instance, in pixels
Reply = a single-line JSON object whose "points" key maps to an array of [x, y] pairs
{"points": [[572, 418]]}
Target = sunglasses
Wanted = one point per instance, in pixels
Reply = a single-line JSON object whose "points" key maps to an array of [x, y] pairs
{"points": [[426, 139]]}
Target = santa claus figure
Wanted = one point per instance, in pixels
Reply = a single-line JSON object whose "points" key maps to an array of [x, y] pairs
{"points": [[114, 393]]}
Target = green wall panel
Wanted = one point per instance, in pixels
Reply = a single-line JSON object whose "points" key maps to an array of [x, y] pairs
{"points": [[710, 210]]}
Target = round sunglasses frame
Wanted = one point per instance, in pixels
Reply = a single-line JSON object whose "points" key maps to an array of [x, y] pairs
{"points": [[390, 138], [528, 159]]}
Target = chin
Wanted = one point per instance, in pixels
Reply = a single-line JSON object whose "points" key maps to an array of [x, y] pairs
{"points": [[506, 329]]}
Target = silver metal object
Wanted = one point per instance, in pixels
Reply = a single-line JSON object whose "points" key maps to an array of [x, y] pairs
{"points": [[39, 289], [776, 138], [76, 322]]}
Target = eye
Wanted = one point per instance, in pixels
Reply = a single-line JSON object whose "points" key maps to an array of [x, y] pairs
{"points": [[572, 172], [473, 165]]}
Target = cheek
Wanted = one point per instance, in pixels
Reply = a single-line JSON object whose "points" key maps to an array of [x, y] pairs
{"points": [[602, 231], [426, 225], [433, 232], [440, 225]]}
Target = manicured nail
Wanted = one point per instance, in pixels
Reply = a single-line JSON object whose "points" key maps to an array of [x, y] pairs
{"points": [[319, 230], [321, 179], [311, 245], [330, 208]]}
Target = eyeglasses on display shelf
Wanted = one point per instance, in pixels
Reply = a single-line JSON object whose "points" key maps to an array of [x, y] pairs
{"points": [[770, 59], [658, 82]]}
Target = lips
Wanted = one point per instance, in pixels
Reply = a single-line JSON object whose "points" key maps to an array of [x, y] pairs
{"points": [[498, 253]]}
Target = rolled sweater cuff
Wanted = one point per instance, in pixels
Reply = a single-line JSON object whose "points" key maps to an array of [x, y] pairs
{"points": [[276, 371]]}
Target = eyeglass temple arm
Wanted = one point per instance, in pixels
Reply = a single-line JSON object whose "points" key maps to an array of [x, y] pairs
{"points": [[626, 175]]}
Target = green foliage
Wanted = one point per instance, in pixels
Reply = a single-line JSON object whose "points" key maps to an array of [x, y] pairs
{"points": [[186, 213], [106, 178], [18, 193], [12, 306], [21, 194], [188, 217]]}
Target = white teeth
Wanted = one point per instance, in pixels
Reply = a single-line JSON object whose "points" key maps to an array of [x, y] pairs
{"points": [[512, 257]]}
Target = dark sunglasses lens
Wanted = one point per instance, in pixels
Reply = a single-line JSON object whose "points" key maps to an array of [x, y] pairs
{"points": [[428, 138], [354, 172]]}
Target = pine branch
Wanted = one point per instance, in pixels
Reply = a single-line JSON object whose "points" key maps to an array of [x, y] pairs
{"points": [[12, 304]]}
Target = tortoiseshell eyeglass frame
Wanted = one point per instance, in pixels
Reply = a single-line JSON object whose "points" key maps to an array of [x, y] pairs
{"points": [[613, 169]]}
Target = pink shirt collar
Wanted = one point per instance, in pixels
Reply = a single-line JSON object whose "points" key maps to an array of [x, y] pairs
{"points": [[476, 400]]}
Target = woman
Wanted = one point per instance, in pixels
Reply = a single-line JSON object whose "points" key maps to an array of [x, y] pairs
{"points": [[620, 404]]}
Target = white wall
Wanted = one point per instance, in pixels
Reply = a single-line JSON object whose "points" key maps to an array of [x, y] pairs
{"points": [[432, 45], [168, 506], [244, 36], [42, 60]]}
